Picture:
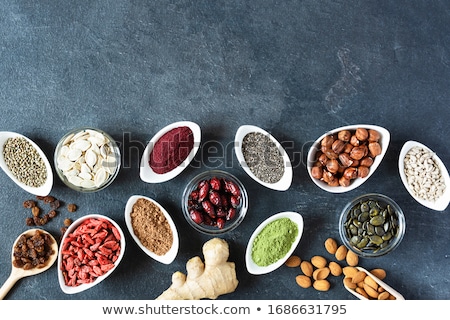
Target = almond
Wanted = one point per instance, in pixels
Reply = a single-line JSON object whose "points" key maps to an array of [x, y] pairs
{"points": [[341, 252], [321, 285], [321, 274], [293, 261], [319, 262], [379, 273], [371, 292], [359, 277], [370, 282], [331, 246], [352, 258], [348, 283], [350, 271], [307, 268], [362, 292], [383, 295], [335, 268], [303, 281]]}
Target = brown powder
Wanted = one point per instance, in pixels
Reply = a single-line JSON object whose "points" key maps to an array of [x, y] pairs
{"points": [[151, 226]]}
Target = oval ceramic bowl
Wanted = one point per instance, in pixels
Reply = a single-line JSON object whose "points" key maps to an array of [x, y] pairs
{"points": [[441, 203], [172, 253], [381, 283], [285, 182], [146, 172], [252, 267], [384, 142], [82, 287], [43, 190]]}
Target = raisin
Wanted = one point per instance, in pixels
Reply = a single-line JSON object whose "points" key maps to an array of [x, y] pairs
{"points": [[29, 204], [48, 199], [55, 204], [35, 211], [52, 214], [67, 222], [71, 207], [29, 221]]}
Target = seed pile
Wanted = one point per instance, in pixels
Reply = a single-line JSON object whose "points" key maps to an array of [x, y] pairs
{"points": [[24, 162], [423, 174], [263, 157], [32, 251], [315, 272], [87, 159]]}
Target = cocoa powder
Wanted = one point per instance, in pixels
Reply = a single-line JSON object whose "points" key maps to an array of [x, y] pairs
{"points": [[151, 226]]}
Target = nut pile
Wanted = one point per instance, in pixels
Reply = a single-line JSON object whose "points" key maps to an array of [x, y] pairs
{"points": [[87, 159], [315, 272], [214, 201], [346, 156], [423, 174]]}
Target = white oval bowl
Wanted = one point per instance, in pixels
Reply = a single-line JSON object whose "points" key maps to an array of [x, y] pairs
{"points": [[384, 142], [172, 253], [442, 203], [146, 172], [72, 290], [381, 283], [43, 190], [252, 267], [285, 182]]}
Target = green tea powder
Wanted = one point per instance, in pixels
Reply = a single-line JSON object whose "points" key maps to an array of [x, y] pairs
{"points": [[274, 241]]}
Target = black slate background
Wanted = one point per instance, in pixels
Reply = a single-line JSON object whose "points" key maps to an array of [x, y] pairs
{"points": [[294, 68]]}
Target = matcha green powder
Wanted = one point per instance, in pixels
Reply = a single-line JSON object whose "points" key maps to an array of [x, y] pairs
{"points": [[274, 241]]}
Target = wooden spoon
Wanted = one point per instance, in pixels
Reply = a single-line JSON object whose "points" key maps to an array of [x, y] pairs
{"points": [[18, 273]]}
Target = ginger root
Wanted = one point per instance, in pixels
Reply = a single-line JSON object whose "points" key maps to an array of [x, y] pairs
{"points": [[209, 280]]}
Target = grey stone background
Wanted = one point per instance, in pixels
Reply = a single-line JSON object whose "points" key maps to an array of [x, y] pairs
{"points": [[295, 68]]}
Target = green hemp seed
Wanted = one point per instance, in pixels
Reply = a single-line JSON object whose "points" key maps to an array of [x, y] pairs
{"points": [[24, 162]]}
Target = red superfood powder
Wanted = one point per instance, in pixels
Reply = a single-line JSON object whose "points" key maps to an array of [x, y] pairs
{"points": [[171, 149]]}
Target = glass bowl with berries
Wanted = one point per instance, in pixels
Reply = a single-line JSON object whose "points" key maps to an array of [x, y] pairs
{"points": [[214, 202]]}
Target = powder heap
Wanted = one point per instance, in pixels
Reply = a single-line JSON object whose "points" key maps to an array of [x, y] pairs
{"points": [[171, 149], [151, 226], [274, 241]]}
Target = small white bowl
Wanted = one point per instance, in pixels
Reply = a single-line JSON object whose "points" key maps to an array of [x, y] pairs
{"points": [[82, 287], [381, 283], [285, 182], [441, 203], [252, 267], [172, 253], [43, 190], [384, 142], [146, 172]]}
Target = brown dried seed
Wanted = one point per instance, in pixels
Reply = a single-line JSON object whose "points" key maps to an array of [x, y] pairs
{"points": [[348, 282], [331, 246], [307, 268], [321, 285], [293, 261], [370, 282], [350, 271], [362, 292], [321, 273], [341, 252], [352, 258], [379, 273], [335, 268], [359, 277], [318, 261], [371, 292], [383, 295], [35, 211], [303, 281]]}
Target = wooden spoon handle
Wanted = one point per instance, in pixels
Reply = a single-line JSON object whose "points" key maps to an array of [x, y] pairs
{"points": [[9, 283]]}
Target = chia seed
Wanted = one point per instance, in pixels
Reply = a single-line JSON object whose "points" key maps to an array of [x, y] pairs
{"points": [[263, 157], [24, 162]]}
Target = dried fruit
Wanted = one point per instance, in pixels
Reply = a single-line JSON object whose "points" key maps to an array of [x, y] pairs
{"points": [[71, 207], [307, 268], [358, 277], [352, 258], [321, 273], [379, 273], [335, 268], [341, 252], [318, 261]]}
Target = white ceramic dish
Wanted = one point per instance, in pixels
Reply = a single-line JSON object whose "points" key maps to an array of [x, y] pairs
{"points": [[72, 290], [285, 182], [43, 190], [252, 267], [441, 203], [146, 172], [381, 283], [384, 142], [172, 253]]}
